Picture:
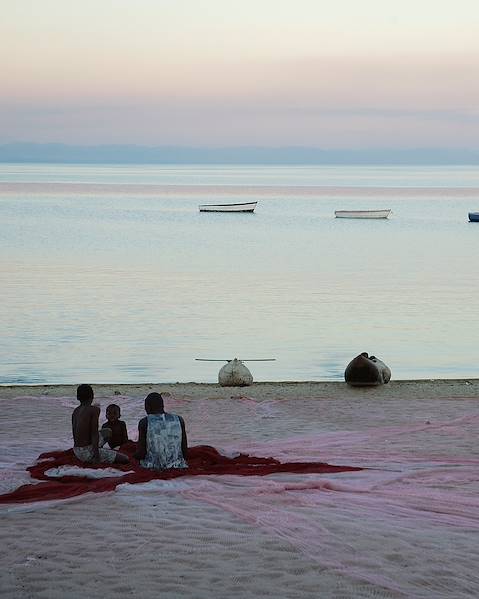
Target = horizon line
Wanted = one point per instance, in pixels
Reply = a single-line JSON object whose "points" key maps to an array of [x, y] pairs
{"points": [[64, 153]]}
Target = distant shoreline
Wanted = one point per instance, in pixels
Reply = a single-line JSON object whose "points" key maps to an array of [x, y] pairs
{"points": [[63, 153]]}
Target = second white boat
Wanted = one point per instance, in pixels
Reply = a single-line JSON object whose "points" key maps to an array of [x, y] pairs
{"points": [[362, 213]]}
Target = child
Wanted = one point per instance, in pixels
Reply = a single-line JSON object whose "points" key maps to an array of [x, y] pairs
{"points": [[86, 438], [119, 434]]}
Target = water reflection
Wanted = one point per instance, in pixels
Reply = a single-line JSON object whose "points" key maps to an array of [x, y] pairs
{"points": [[132, 289]]}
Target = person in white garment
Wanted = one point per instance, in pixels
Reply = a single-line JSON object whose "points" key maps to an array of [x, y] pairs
{"points": [[162, 442]]}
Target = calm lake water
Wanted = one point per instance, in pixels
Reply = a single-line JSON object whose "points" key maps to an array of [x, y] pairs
{"points": [[110, 274]]}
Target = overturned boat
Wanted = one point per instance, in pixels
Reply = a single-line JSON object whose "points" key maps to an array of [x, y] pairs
{"points": [[235, 374], [366, 371]]}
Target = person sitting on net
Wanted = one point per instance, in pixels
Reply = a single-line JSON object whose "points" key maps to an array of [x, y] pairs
{"points": [[86, 437], [119, 434], [162, 442]]}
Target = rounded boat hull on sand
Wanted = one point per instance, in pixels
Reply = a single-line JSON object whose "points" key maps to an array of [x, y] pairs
{"points": [[235, 374], [366, 371]]}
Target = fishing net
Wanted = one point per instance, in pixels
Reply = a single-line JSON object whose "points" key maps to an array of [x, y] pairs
{"points": [[405, 527]]}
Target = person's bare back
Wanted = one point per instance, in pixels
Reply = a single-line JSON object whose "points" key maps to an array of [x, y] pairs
{"points": [[85, 432], [85, 425]]}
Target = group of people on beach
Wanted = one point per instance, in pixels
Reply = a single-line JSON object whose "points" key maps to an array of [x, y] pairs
{"points": [[162, 442]]}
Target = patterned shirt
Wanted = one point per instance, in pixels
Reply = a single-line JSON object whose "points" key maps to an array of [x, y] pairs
{"points": [[163, 442]]}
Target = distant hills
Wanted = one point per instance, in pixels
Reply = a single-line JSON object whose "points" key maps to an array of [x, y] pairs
{"points": [[133, 154]]}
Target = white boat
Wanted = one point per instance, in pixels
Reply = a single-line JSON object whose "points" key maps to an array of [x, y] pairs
{"points": [[245, 207], [362, 213]]}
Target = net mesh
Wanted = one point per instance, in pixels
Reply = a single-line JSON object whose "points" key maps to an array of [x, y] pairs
{"points": [[407, 526]]}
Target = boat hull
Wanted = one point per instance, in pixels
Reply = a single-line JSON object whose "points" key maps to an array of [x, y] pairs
{"points": [[244, 207], [362, 213], [366, 371], [474, 217], [235, 374]]}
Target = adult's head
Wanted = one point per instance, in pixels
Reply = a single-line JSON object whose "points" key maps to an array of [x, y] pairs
{"points": [[154, 404], [84, 394]]}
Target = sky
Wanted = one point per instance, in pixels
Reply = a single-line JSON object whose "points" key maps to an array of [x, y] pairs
{"points": [[336, 74]]}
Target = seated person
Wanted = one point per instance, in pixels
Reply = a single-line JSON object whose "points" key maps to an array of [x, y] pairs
{"points": [[119, 434], [162, 442], [86, 437]]}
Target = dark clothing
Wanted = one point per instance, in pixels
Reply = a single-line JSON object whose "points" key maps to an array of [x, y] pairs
{"points": [[119, 434]]}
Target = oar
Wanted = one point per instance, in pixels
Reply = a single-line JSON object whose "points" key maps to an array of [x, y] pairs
{"points": [[241, 360]]}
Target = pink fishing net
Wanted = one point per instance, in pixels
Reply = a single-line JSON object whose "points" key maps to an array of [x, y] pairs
{"points": [[407, 527]]}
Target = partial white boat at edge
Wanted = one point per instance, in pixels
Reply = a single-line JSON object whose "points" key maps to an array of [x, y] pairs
{"points": [[362, 213], [245, 207]]}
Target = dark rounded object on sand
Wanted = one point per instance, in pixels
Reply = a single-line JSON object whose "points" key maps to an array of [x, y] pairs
{"points": [[366, 371]]}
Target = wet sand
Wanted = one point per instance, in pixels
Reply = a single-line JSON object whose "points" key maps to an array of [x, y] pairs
{"points": [[427, 388]]}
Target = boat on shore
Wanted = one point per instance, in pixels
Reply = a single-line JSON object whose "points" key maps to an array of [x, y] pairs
{"points": [[474, 217], [367, 371], [362, 213], [244, 207]]}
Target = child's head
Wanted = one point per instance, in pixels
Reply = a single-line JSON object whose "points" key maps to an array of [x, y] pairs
{"points": [[85, 394], [113, 412]]}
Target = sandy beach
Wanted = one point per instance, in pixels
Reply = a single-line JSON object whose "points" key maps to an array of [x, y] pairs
{"points": [[406, 526]]}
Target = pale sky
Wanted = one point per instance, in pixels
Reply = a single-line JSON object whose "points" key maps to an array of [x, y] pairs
{"points": [[323, 73]]}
